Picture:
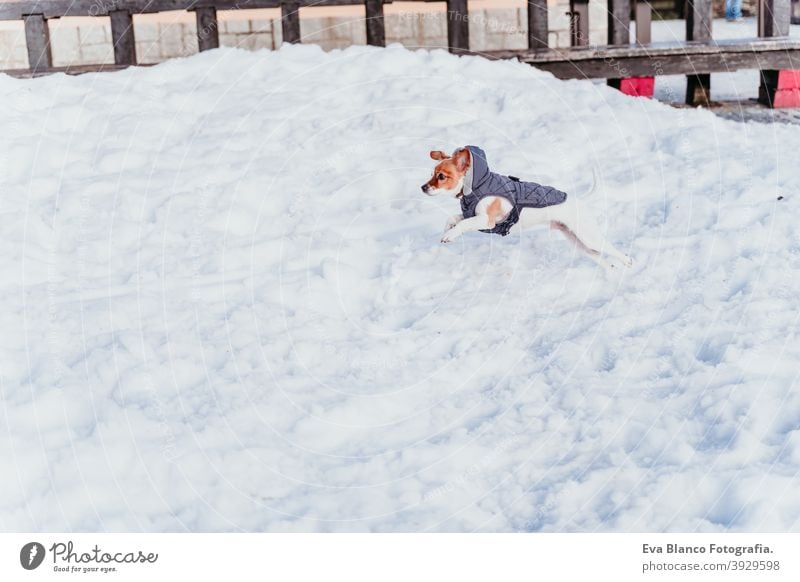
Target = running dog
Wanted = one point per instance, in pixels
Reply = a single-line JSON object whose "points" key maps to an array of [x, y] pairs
{"points": [[502, 205]]}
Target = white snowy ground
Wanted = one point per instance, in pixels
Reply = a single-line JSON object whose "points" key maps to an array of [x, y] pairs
{"points": [[225, 305], [734, 86]]}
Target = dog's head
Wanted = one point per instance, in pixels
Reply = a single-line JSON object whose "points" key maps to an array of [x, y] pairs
{"points": [[448, 175]]}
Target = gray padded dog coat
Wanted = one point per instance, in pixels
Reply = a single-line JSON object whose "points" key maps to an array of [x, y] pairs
{"points": [[520, 194]]}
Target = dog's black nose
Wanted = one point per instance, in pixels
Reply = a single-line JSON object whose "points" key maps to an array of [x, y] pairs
{"points": [[425, 188]]}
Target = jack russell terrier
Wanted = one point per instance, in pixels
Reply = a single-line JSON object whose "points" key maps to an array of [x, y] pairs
{"points": [[503, 204]]}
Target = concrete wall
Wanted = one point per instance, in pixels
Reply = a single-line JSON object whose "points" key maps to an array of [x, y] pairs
{"points": [[501, 24]]}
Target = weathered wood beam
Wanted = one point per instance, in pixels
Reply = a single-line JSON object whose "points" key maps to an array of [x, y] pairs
{"points": [[644, 22], [16, 9], [698, 19], [290, 21], [457, 26], [122, 37], [619, 29], [376, 24], [619, 22], [698, 28], [37, 38], [774, 18], [70, 70], [538, 30], [661, 59], [207, 28], [579, 22]]}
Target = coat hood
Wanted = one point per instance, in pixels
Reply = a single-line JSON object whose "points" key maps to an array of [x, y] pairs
{"points": [[478, 171]]}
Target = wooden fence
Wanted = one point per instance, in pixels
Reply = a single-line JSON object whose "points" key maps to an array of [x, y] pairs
{"points": [[697, 57]]}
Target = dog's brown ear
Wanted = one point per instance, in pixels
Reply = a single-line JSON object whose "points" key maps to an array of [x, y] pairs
{"points": [[437, 155], [462, 159]]}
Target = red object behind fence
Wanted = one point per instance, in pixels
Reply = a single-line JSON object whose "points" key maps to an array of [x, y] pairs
{"points": [[788, 91], [638, 86], [780, 89], [789, 79]]}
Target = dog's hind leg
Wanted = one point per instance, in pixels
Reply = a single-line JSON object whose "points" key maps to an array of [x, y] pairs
{"points": [[579, 244], [587, 233]]}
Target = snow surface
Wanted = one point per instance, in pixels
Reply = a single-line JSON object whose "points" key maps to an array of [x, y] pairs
{"points": [[225, 305]]}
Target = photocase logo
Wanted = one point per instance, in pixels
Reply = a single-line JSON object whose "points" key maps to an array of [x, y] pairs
{"points": [[31, 555]]}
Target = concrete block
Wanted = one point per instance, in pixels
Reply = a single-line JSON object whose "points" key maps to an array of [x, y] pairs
{"points": [[277, 32], [97, 54], [500, 20], [478, 35], [330, 44], [98, 31], [499, 41], [314, 30], [558, 19], [13, 54], [190, 43], [235, 26], [227, 40], [65, 46], [255, 42], [145, 31], [400, 25], [148, 52], [349, 31], [20, 58], [171, 41], [433, 26], [261, 26]]}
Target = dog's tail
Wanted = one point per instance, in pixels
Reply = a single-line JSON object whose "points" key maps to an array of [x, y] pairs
{"points": [[590, 191]]}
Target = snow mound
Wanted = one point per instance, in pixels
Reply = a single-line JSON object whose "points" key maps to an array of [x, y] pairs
{"points": [[225, 305]]}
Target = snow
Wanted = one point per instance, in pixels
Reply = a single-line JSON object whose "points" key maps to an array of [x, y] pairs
{"points": [[738, 85], [225, 305]]}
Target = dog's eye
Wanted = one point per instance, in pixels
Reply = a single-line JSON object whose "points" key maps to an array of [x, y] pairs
{"points": [[440, 176]]}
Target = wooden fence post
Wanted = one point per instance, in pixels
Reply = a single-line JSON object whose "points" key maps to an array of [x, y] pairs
{"points": [[290, 21], [376, 25], [644, 22], [457, 26], [579, 22], [122, 37], [619, 33], [207, 28], [619, 22], [777, 88], [698, 27], [37, 37], [537, 24], [774, 17]]}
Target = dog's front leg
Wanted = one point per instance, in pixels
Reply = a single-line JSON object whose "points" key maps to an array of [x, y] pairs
{"points": [[453, 220], [477, 222]]}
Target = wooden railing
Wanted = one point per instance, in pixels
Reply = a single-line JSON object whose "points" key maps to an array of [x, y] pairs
{"points": [[696, 58]]}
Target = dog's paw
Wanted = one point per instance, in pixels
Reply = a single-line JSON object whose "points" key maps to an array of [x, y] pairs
{"points": [[452, 221], [449, 236]]}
